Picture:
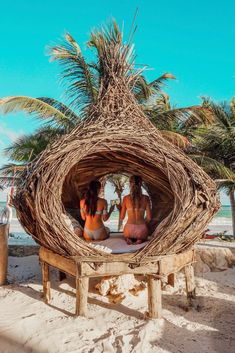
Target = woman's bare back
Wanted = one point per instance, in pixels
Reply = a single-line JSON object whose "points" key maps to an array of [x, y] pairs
{"points": [[136, 215]]}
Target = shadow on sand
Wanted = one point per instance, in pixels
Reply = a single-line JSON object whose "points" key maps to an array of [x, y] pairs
{"points": [[217, 318]]}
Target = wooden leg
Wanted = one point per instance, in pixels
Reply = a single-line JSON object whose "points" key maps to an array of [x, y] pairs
{"points": [[154, 297], [190, 284], [82, 284], [46, 282]]}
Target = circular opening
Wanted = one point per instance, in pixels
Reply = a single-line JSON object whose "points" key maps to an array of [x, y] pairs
{"points": [[100, 166]]}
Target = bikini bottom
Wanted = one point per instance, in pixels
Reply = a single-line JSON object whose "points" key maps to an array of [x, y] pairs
{"points": [[136, 231], [95, 234]]}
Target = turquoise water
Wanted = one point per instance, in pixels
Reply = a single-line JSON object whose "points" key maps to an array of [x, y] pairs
{"points": [[21, 238], [225, 211]]}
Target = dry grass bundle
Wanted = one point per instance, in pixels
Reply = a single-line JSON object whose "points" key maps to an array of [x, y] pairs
{"points": [[116, 138]]}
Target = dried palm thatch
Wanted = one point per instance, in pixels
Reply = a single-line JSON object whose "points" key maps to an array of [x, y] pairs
{"points": [[116, 138]]}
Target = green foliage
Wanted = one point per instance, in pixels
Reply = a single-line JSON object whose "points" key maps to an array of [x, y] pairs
{"points": [[40, 107], [217, 141], [79, 77]]}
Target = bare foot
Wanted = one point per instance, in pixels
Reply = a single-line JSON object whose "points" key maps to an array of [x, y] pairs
{"points": [[139, 241], [128, 241]]}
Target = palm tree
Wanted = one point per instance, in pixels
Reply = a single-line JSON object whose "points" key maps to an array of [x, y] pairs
{"points": [[82, 82], [215, 148], [174, 123], [118, 181]]}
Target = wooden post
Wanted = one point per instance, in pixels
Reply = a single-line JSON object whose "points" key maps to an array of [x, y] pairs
{"points": [[190, 284], [82, 284], [154, 297], [46, 282], [4, 230]]}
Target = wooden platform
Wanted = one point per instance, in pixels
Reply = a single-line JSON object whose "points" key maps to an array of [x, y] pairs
{"points": [[155, 271]]}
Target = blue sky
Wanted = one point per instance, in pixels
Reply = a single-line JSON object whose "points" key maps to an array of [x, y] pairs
{"points": [[192, 40]]}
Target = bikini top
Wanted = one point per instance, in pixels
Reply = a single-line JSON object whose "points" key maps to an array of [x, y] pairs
{"points": [[102, 212], [135, 208]]}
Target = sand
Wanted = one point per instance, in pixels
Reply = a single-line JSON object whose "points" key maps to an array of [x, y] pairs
{"points": [[29, 325]]}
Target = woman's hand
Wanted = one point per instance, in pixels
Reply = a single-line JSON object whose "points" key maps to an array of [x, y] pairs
{"points": [[119, 207], [111, 209]]}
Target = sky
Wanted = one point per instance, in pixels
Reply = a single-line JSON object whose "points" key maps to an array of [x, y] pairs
{"points": [[192, 40]]}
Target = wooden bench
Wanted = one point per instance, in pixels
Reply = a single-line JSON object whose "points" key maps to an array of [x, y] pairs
{"points": [[155, 271]]}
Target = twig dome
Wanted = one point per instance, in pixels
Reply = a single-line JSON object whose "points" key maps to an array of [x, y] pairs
{"points": [[116, 138]]}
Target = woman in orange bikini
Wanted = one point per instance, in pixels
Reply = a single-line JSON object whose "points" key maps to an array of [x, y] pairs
{"points": [[94, 211], [136, 205]]}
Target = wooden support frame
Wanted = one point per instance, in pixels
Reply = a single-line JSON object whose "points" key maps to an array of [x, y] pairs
{"points": [[155, 271], [46, 282], [190, 285], [154, 297], [82, 285]]}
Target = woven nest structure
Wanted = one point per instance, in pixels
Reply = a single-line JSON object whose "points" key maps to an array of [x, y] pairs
{"points": [[116, 138]]}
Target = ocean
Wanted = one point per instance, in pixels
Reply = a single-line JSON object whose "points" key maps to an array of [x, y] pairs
{"points": [[220, 223]]}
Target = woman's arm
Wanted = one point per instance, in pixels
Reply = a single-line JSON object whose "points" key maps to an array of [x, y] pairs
{"points": [[106, 214], [148, 210], [82, 211], [123, 209]]}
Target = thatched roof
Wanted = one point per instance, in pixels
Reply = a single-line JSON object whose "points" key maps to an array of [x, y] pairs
{"points": [[117, 137]]}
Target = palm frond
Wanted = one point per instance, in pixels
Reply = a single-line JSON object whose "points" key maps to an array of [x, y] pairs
{"points": [[181, 118], [225, 184], [232, 108], [219, 112], [214, 168], [69, 113], [35, 106], [216, 141], [144, 90], [175, 138], [27, 147], [160, 81], [77, 74], [141, 89]]}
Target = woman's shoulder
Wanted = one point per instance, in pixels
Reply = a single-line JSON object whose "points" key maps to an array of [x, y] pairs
{"points": [[102, 201], [126, 198]]}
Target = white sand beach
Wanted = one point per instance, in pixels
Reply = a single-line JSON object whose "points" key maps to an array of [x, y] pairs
{"points": [[29, 325]]}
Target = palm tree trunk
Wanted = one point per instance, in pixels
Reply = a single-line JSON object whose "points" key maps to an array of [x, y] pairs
{"points": [[119, 193], [103, 182], [232, 203]]}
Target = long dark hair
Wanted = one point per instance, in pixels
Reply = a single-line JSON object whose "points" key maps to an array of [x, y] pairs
{"points": [[91, 197], [135, 190]]}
